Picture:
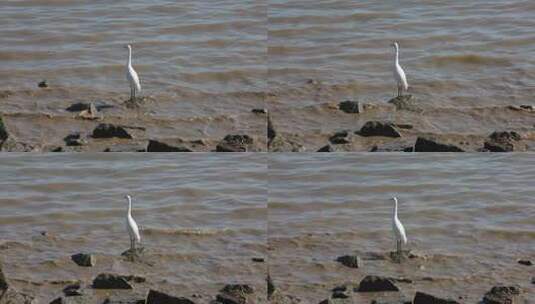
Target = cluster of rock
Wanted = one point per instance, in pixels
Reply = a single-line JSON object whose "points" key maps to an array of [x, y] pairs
{"points": [[394, 137]]}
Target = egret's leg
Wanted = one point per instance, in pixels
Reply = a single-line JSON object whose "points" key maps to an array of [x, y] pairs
{"points": [[134, 90], [131, 93], [131, 244], [399, 250], [399, 90]]}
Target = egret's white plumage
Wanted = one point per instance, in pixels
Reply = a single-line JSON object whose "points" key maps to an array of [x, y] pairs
{"points": [[397, 228], [131, 75], [399, 74], [131, 225]]}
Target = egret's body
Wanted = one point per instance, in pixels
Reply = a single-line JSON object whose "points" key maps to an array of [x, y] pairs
{"points": [[398, 229], [131, 75], [131, 226], [399, 74]]}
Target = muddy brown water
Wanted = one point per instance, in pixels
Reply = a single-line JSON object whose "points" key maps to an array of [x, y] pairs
{"points": [[470, 219], [202, 219], [465, 63], [202, 67]]}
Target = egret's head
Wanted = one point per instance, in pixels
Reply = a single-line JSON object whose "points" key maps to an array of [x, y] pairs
{"points": [[128, 198], [394, 199], [128, 47], [395, 45]]}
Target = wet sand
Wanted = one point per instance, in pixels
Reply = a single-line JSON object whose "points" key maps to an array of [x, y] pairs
{"points": [[467, 218], [200, 229], [311, 128], [38, 120]]}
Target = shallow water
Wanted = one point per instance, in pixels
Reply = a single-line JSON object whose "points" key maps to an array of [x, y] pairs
{"points": [[459, 57], [470, 214], [202, 64], [202, 219]]}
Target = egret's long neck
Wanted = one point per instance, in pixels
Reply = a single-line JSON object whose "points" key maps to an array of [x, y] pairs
{"points": [[129, 207], [129, 61], [395, 212], [397, 62]]}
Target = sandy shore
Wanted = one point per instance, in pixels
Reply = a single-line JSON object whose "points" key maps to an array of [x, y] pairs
{"points": [[57, 119], [117, 278], [405, 123]]}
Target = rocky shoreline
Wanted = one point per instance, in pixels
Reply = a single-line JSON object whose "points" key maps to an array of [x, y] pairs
{"points": [[111, 287], [390, 290], [123, 126], [403, 124]]}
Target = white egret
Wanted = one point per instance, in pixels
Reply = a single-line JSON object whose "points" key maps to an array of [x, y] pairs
{"points": [[131, 75], [131, 226], [399, 74], [397, 228]]}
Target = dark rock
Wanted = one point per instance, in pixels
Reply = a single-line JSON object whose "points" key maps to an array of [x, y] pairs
{"points": [[42, 84], [258, 260], [377, 128], [525, 262], [352, 261], [3, 131], [342, 288], [505, 136], [235, 294], [327, 148], [339, 295], [110, 281], [271, 133], [238, 288], [78, 107], [424, 298], [502, 141], [259, 111], [84, 259], [81, 106], [59, 300], [376, 283], [72, 290], [3, 282], [74, 139], [231, 299], [326, 301], [109, 131], [234, 143], [157, 297], [492, 146], [270, 286], [340, 292], [501, 295], [349, 106], [340, 137], [427, 144], [156, 146]]}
